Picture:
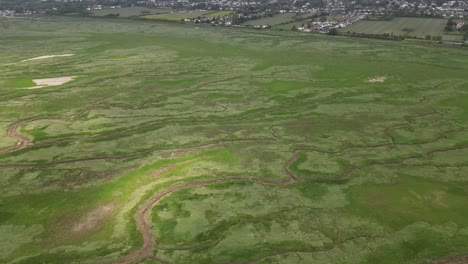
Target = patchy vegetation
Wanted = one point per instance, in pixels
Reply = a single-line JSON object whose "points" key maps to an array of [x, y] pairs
{"points": [[132, 11], [196, 144], [404, 27]]}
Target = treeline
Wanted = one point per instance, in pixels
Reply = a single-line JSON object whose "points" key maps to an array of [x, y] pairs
{"points": [[58, 8], [451, 26], [49, 7], [385, 36]]}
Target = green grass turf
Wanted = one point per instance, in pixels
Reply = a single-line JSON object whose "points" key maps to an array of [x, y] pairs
{"points": [[273, 20], [220, 13], [178, 15], [418, 27], [377, 170], [130, 11]]}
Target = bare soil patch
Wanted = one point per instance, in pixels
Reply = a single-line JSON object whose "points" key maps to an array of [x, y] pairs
{"points": [[48, 56], [41, 83], [377, 79], [93, 219]]}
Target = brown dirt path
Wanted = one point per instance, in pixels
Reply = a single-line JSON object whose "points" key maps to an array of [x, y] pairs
{"points": [[23, 141], [12, 131], [144, 224]]}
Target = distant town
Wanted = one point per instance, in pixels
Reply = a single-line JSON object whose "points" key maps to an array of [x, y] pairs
{"points": [[321, 16]]}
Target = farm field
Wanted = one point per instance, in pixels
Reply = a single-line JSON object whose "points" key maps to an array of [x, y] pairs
{"points": [[130, 11], [274, 20], [179, 15], [418, 27], [288, 26], [152, 142], [220, 13]]}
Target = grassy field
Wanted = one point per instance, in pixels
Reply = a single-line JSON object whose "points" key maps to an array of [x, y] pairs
{"points": [[220, 13], [197, 144], [130, 11], [180, 15], [404, 26], [273, 20], [289, 26]]}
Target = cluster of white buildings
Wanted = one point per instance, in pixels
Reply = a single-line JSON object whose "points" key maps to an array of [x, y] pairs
{"points": [[6, 13], [99, 7], [326, 26]]}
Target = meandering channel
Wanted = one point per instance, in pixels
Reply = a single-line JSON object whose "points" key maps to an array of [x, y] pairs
{"points": [[144, 224], [23, 141]]}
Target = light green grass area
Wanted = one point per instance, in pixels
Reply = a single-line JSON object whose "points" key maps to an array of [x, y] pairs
{"points": [[178, 15], [235, 145], [289, 25], [407, 200], [221, 13], [404, 26], [130, 11], [273, 20]]}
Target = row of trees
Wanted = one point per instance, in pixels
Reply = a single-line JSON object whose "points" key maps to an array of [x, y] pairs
{"points": [[451, 26], [55, 7]]}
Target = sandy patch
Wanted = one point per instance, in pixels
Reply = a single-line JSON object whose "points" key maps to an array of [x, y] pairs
{"points": [[377, 79], [94, 218], [48, 56], [41, 83]]}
